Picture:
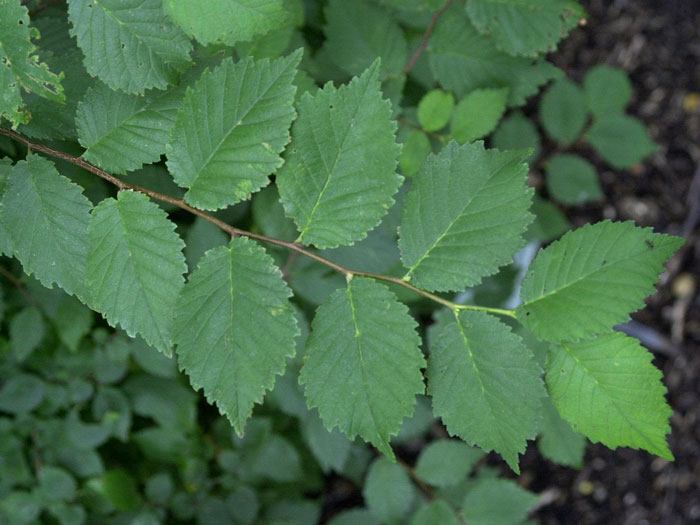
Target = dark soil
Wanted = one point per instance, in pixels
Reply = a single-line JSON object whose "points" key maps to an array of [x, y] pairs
{"points": [[658, 44]]}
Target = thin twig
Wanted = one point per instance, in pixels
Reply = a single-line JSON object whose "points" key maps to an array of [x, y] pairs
{"points": [[233, 231], [17, 283], [413, 60]]}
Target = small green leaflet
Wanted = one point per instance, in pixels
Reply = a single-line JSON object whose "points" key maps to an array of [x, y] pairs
{"points": [[435, 109], [340, 172], [608, 389], [358, 32], [363, 363], [563, 111], [608, 90], [592, 279], [572, 179], [122, 132], [493, 501], [437, 512], [226, 21], [621, 140], [135, 267], [446, 462], [485, 384], [46, 217], [527, 27], [388, 491], [21, 68], [130, 45], [478, 113], [464, 216], [235, 327], [231, 128], [463, 60]]}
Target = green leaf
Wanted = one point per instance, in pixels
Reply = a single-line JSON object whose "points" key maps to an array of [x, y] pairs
{"points": [[54, 119], [621, 140], [226, 21], [231, 128], [437, 512], [446, 462], [435, 109], [56, 484], [363, 363], [19, 507], [525, 27], [46, 216], [608, 389], [476, 370], [558, 441], [388, 491], [27, 330], [464, 60], [201, 237], [517, 132], [355, 516], [122, 132], [334, 193], [572, 179], [608, 90], [464, 216], [21, 68], [135, 267], [234, 292], [592, 279], [414, 151], [5, 240], [119, 488], [478, 113], [497, 502], [359, 32], [21, 393], [330, 448], [130, 45], [563, 111]]}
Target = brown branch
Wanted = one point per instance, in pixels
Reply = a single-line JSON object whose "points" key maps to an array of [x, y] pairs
{"points": [[410, 64], [233, 231]]}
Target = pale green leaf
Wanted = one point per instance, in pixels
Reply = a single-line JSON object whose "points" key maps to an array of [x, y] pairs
{"points": [[608, 389], [122, 132], [572, 179], [235, 291], [563, 111], [435, 109], [478, 113], [464, 216], [46, 217], [485, 384], [363, 363], [135, 267], [557, 440], [446, 462], [231, 128], [437, 512], [339, 177], [463, 60], [608, 90], [226, 21], [130, 45], [621, 140], [359, 32], [525, 27], [19, 65], [388, 491], [592, 279], [497, 502]]}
